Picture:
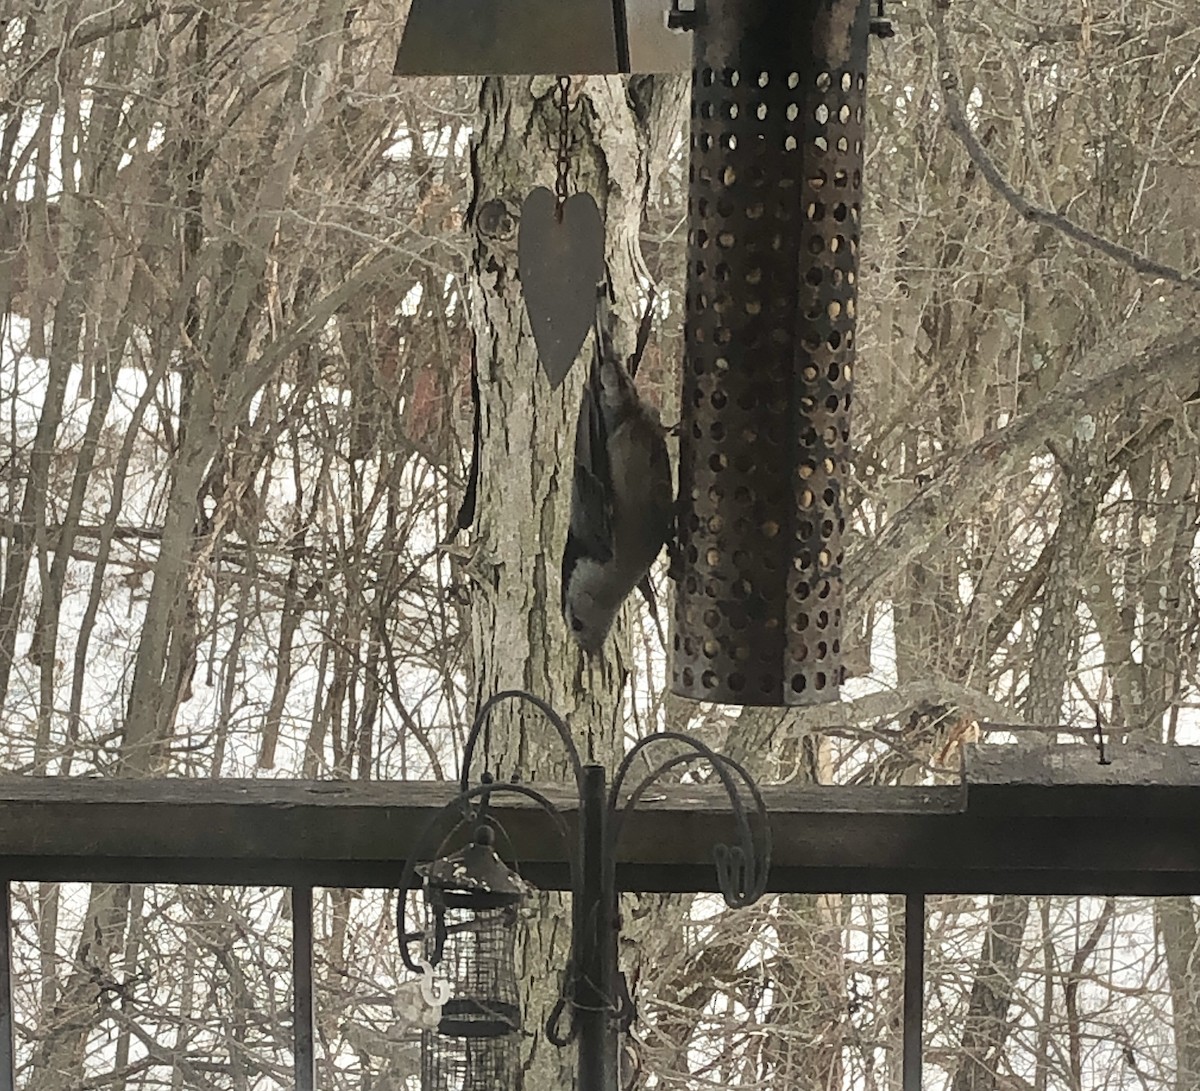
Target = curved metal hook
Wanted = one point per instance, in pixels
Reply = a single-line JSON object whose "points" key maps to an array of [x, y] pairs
{"points": [[456, 806], [555, 1036], [742, 870], [481, 718]]}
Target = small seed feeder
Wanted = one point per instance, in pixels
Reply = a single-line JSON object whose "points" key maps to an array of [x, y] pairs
{"points": [[471, 903], [471, 900]]}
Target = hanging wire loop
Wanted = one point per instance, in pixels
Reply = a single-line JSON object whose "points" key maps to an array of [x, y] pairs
{"points": [[481, 720]]}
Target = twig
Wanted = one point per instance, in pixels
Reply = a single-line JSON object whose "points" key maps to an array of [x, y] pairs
{"points": [[956, 118], [970, 476], [81, 39]]}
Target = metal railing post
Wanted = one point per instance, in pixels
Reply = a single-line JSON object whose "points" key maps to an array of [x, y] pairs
{"points": [[914, 988], [302, 989], [8, 1064]]}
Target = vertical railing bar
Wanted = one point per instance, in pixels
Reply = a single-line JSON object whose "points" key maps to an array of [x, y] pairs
{"points": [[8, 1065], [914, 989], [302, 989]]}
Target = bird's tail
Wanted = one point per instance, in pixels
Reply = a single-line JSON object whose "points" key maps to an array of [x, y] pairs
{"points": [[605, 319], [643, 335]]}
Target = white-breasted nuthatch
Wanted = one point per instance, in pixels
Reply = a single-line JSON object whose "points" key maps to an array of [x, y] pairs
{"points": [[622, 498]]}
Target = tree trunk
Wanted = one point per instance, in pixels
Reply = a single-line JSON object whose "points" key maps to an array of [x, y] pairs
{"points": [[518, 638], [1177, 925], [986, 1028]]}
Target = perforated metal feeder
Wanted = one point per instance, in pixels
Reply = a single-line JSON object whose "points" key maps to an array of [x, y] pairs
{"points": [[774, 204]]}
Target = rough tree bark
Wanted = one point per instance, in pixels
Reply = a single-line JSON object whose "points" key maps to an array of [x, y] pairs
{"points": [[517, 636]]}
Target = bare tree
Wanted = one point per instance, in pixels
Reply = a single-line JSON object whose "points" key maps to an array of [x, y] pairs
{"points": [[239, 310]]}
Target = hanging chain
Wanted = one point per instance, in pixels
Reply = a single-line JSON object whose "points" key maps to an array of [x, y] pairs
{"points": [[563, 159]]}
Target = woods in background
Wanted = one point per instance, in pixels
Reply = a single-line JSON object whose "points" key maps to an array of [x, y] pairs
{"points": [[242, 268]]}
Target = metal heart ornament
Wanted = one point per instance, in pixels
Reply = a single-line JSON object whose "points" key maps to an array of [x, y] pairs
{"points": [[560, 259]]}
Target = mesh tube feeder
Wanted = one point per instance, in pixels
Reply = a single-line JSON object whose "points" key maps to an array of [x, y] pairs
{"points": [[471, 900]]}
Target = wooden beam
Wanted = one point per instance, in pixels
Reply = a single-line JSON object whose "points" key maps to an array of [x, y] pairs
{"points": [[1046, 820]]}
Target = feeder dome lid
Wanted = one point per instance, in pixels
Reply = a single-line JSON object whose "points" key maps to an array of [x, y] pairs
{"points": [[476, 868]]}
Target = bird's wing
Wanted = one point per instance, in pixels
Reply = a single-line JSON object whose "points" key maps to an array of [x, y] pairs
{"points": [[590, 530]]}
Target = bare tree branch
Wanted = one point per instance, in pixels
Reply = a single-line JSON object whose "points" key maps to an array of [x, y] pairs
{"points": [[956, 117], [954, 492]]}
